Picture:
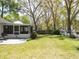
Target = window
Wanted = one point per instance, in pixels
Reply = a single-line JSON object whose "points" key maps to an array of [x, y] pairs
{"points": [[8, 29], [24, 30]]}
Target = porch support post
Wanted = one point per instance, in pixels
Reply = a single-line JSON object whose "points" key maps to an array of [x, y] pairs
{"points": [[28, 28], [19, 29], [13, 29]]}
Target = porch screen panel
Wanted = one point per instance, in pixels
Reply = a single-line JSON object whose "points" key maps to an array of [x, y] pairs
{"points": [[8, 29], [16, 30], [24, 30]]}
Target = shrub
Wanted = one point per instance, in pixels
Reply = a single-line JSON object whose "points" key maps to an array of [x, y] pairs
{"points": [[72, 36], [33, 35], [44, 32], [56, 32], [61, 37]]}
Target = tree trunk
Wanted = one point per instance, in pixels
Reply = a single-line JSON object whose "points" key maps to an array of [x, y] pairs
{"points": [[2, 12], [69, 27], [35, 26], [69, 22], [47, 28], [54, 23], [54, 26], [34, 23]]}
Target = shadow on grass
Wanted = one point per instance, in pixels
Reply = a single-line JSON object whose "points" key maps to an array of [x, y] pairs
{"points": [[60, 37], [77, 48], [39, 37]]}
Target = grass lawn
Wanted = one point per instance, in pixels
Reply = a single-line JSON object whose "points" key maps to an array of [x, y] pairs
{"points": [[44, 47]]}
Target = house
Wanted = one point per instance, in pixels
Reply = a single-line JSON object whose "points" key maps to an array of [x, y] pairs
{"points": [[14, 30]]}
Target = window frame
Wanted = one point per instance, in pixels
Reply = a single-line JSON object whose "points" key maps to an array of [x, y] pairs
{"points": [[8, 29], [23, 31]]}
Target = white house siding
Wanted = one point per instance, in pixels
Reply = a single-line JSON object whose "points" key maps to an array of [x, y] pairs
{"points": [[18, 36], [1, 29]]}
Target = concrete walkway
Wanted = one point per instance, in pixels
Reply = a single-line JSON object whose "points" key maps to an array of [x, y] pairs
{"points": [[12, 41]]}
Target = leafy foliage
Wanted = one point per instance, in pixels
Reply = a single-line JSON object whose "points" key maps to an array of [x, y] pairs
{"points": [[25, 19], [33, 35], [56, 32], [12, 16]]}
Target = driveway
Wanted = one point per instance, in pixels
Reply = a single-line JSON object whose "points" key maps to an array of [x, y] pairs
{"points": [[13, 41]]}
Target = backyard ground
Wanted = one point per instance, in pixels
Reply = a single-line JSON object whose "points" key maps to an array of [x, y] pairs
{"points": [[44, 47]]}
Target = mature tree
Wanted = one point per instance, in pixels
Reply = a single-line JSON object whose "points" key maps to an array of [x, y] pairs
{"points": [[72, 10], [53, 6], [47, 16], [2, 4], [33, 9], [8, 6]]}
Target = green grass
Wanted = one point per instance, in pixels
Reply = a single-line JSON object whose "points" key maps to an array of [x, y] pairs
{"points": [[44, 47]]}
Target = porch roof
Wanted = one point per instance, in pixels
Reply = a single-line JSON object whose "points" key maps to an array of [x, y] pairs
{"points": [[3, 21], [18, 24]]}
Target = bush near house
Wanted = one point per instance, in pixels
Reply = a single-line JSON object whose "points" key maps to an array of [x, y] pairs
{"points": [[33, 35], [56, 32], [44, 31]]}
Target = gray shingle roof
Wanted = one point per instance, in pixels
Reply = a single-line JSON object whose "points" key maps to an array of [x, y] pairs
{"points": [[3, 21]]}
